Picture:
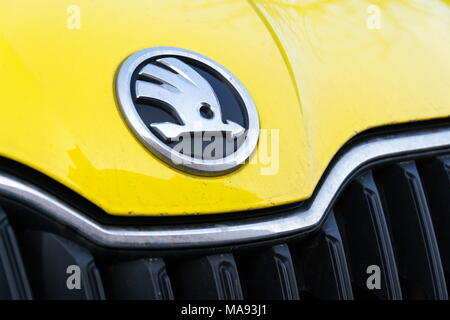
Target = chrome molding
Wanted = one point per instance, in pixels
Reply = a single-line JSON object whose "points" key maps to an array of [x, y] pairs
{"points": [[232, 231]]}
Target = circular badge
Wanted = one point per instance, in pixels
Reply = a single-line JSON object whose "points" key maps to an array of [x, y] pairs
{"points": [[188, 110]]}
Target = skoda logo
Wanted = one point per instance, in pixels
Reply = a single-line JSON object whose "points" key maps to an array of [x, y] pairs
{"points": [[188, 110]]}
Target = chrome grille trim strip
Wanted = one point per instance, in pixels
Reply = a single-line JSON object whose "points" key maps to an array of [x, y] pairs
{"points": [[214, 234]]}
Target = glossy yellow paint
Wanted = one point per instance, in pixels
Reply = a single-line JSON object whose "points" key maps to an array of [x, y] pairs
{"points": [[313, 68]]}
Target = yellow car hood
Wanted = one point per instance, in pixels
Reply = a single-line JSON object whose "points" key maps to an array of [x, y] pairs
{"points": [[318, 71]]}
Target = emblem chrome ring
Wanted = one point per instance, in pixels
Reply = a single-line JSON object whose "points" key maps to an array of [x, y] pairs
{"points": [[159, 148]]}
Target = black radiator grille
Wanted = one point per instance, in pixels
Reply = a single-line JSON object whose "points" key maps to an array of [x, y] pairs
{"points": [[394, 216]]}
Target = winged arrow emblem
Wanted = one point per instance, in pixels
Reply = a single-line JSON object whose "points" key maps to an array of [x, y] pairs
{"points": [[188, 95]]}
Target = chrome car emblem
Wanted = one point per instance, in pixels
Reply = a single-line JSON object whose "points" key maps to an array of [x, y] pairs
{"points": [[172, 98]]}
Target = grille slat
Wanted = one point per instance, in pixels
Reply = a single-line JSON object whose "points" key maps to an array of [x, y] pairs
{"points": [[414, 239], [274, 265], [368, 241], [143, 279], [55, 264], [435, 174], [13, 279], [322, 265], [209, 277]]}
